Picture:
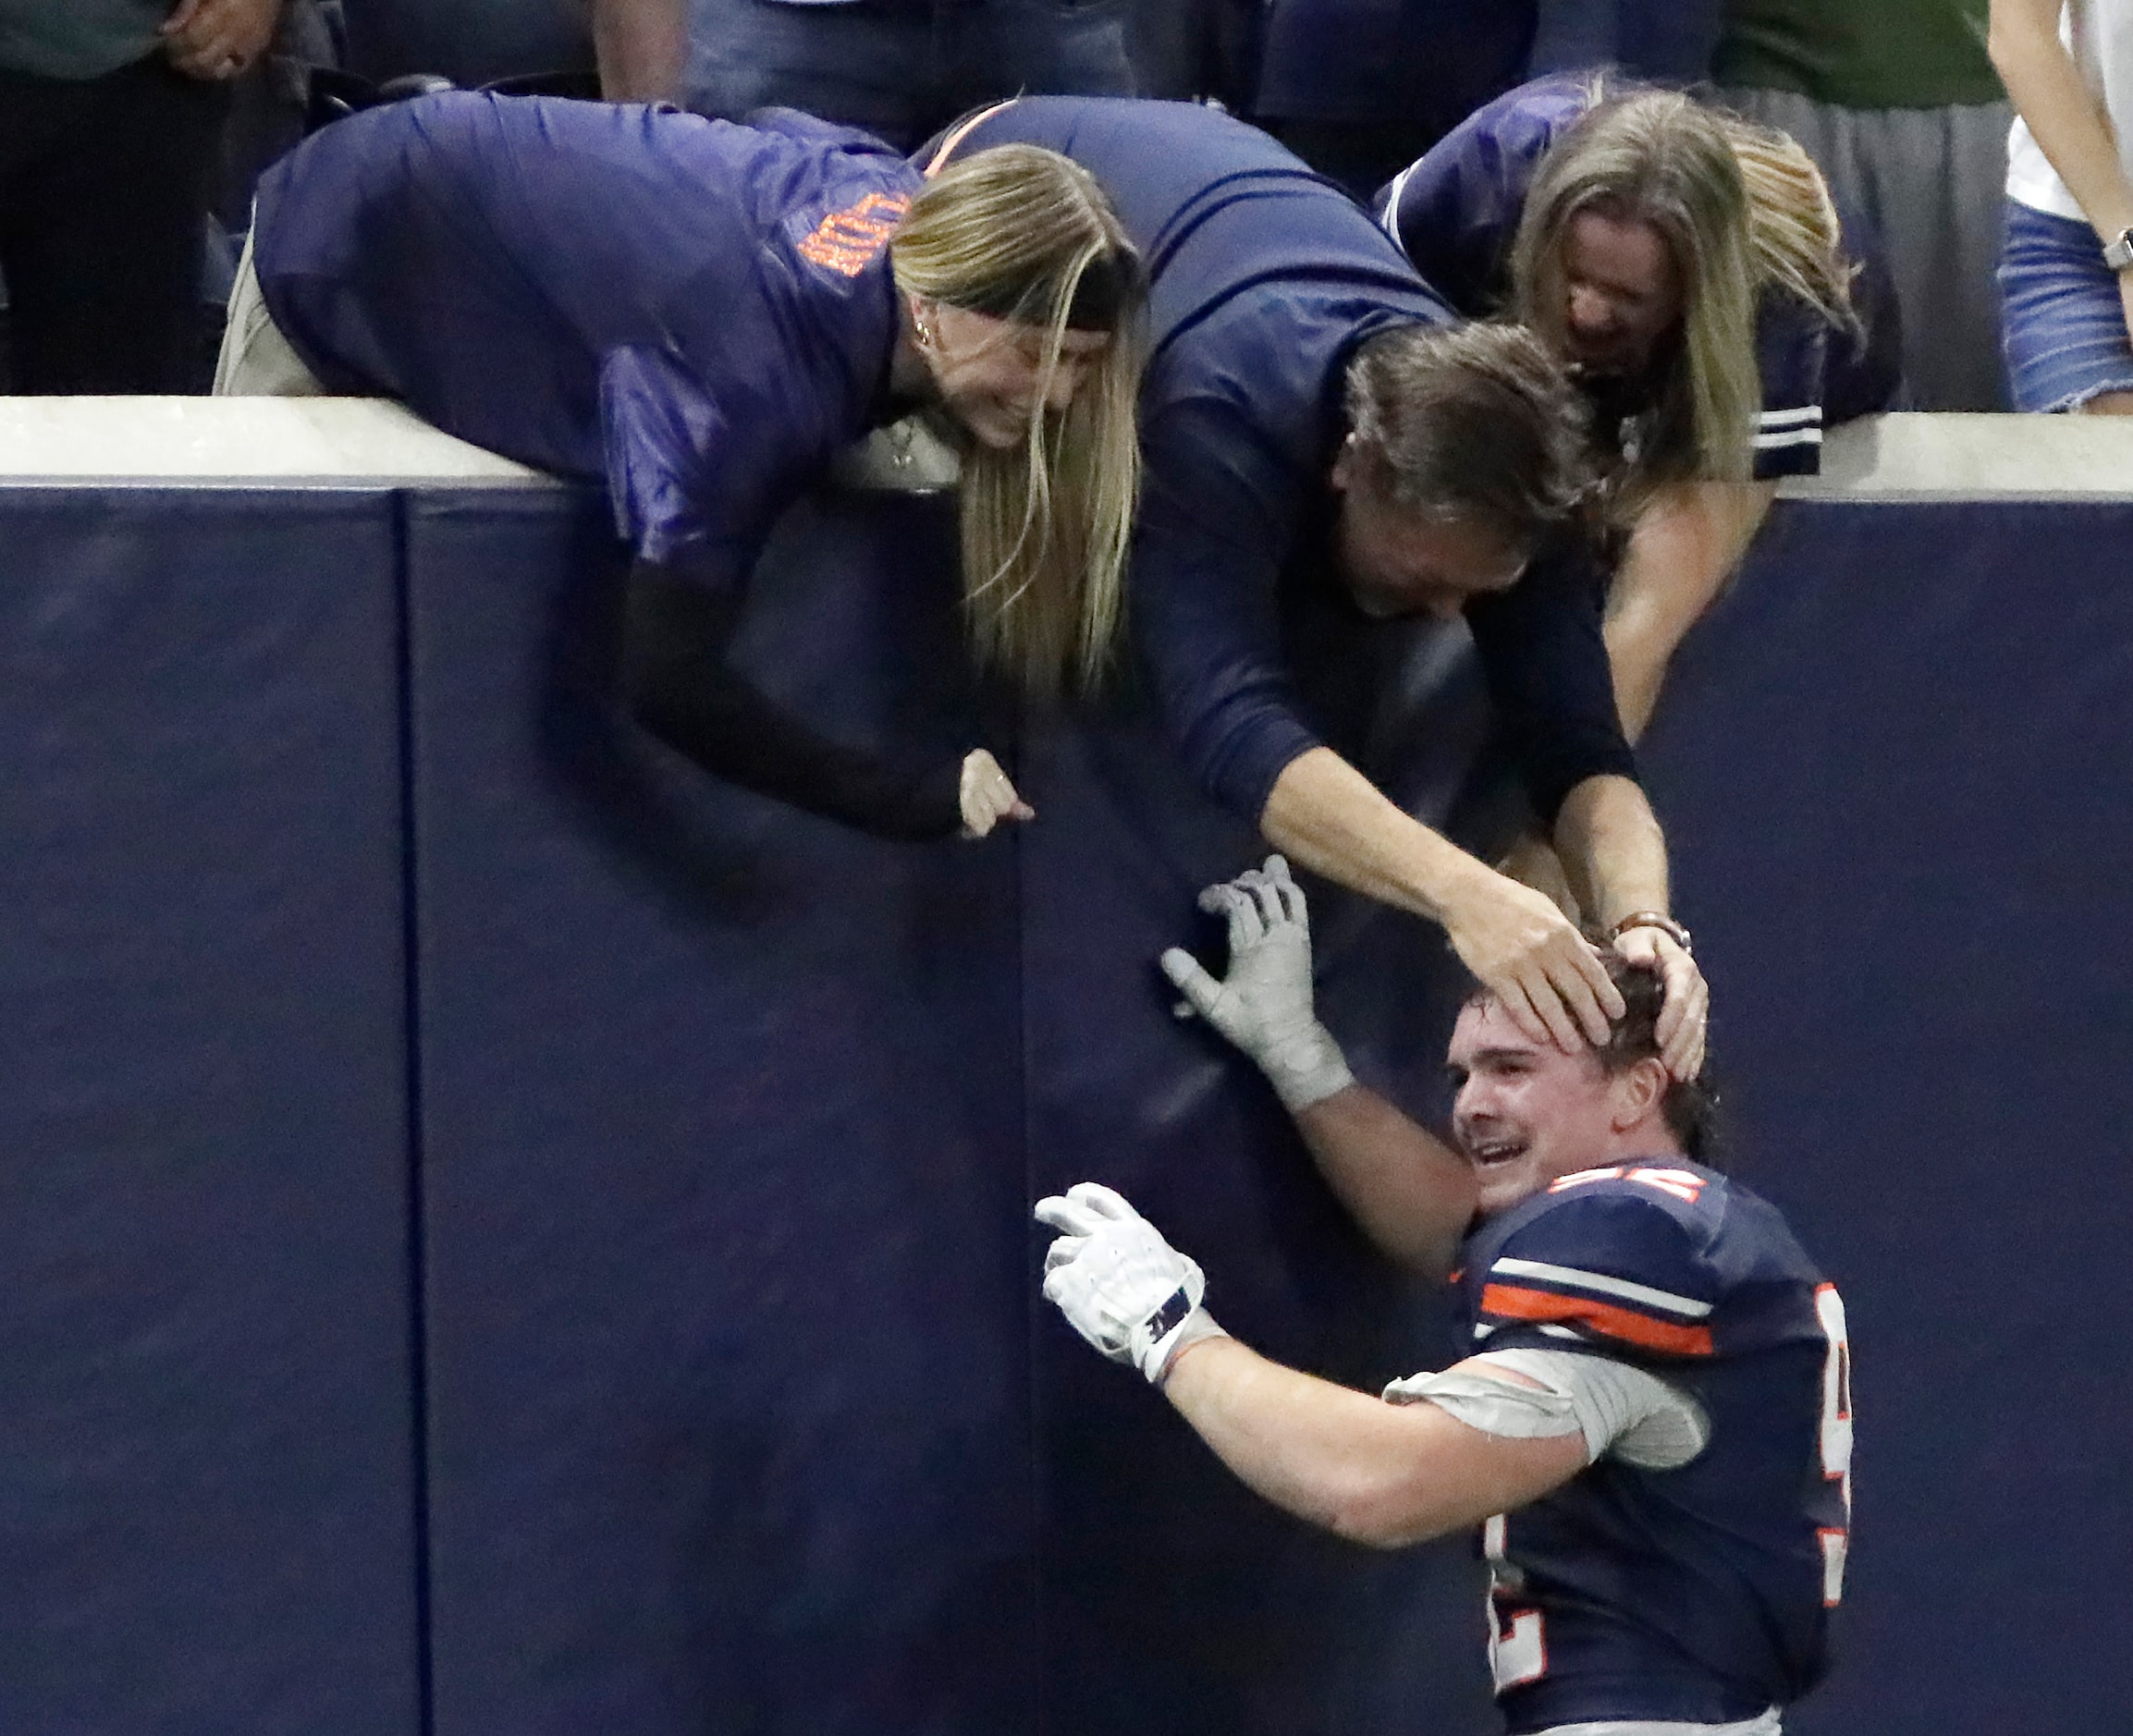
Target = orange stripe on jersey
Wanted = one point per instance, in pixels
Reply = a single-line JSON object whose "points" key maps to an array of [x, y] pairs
{"points": [[1514, 1302], [849, 241]]}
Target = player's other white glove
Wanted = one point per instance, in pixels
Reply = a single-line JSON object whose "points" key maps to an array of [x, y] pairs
{"points": [[1264, 1004], [1120, 1284]]}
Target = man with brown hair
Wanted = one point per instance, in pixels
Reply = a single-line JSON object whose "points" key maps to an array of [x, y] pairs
{"points": [[1315, 421]]}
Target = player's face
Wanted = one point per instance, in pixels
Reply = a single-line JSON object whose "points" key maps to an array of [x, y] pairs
{"points": [[990, 373], [1621, 289], [1397, 562], [1526, 1112]]}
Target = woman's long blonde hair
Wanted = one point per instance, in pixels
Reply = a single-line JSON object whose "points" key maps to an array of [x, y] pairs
{"points": [[1742, 209], [1013, 230], [1793, 226]]}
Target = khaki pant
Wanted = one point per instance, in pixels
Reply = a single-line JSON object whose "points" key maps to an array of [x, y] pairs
{"points": [[256, 360], [1767, 1725]]}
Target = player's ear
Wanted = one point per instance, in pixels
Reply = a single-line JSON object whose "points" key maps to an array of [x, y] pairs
{"points": [[1638, 1092]]}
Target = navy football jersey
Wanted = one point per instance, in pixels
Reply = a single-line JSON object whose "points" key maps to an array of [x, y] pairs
{"points": [[1702, 1593], [1455, 213]]}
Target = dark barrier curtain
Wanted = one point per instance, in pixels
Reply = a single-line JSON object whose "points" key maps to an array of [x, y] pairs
{"points": [[739, 1412], [722, 1116], [1894, 766], [207, 1451]]}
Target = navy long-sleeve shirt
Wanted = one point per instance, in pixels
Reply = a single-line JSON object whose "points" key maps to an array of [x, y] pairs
{"points": [[1264, 279]]}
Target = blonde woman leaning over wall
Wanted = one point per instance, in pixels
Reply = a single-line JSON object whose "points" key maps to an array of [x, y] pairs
{"points": [[700, 317], [1690, 267]]}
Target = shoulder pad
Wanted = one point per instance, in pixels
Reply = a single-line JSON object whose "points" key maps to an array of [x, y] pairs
{"points": [[1616, 1258]]}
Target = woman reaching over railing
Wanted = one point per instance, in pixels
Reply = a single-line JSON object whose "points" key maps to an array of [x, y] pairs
{"points": [[701, 315]]}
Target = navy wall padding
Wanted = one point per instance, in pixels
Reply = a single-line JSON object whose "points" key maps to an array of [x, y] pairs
{"points": [[1894, 765], [1173, 1599], [738, 1411], [206, 1510], [728, 1291]]}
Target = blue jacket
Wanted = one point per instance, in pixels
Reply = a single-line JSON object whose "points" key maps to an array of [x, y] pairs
{"points": [[696, 313]]}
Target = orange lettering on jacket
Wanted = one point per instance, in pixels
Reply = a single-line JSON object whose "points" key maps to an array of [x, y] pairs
{"points": [[850, 240]]}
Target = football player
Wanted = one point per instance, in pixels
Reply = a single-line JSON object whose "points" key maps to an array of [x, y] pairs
{"points": [[1653, 1425]]}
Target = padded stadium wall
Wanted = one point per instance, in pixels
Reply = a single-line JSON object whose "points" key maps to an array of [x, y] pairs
{"points": [[507, 1235]]}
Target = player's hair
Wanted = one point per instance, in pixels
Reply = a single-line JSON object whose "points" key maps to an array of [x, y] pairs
{"points": [[1690, 1105], [1026, 234], [1742, 209], [1471, 422]]}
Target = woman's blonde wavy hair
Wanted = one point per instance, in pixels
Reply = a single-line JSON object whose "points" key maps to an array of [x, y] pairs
{"points": [[1799, 245], [1045, 526], [1742, 209]]}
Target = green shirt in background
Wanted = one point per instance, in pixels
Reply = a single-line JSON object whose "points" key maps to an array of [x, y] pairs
{"points": [[78, 39], [1859, 53]]}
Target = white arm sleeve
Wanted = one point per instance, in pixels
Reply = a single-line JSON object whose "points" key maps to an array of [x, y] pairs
{"points": [[1620, 1410]]}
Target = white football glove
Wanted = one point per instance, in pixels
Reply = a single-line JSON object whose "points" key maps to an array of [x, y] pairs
{"points": [[1120, 1284], [1264, 1004]]}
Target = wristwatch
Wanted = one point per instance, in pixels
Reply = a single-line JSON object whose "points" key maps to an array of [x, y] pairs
{"points": [[1666, 925], [2118, 253]]}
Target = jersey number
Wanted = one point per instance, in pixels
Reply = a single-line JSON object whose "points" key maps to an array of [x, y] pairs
{"points": [[1517, 1638], [1836, 1437]]}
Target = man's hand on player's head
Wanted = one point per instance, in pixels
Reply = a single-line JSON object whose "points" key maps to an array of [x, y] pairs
{"points": [[1119, 1283], [1523, 949], [1685, 1010], [1264, 1004]]}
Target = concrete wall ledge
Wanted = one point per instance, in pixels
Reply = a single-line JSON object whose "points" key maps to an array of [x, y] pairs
{"points": [[1919, 458], [256, 442], [239, 442]]}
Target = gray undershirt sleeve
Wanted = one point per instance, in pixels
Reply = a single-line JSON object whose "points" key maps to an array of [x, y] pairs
{"points": [[1619, 1409]]}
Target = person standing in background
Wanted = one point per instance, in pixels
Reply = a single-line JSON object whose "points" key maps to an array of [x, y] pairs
{"points": [[642, 47], [1359, 89], [111, 121], [1657, 41], [1898, 104], [902, 69], [2067, 274], [1182, 49]]}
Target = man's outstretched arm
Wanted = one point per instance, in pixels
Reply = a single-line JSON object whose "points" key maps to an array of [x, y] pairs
{"points": [[1544, 649], [1375, 1472], [1410, 1192], [1384, 1474], [1333, 820]]}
